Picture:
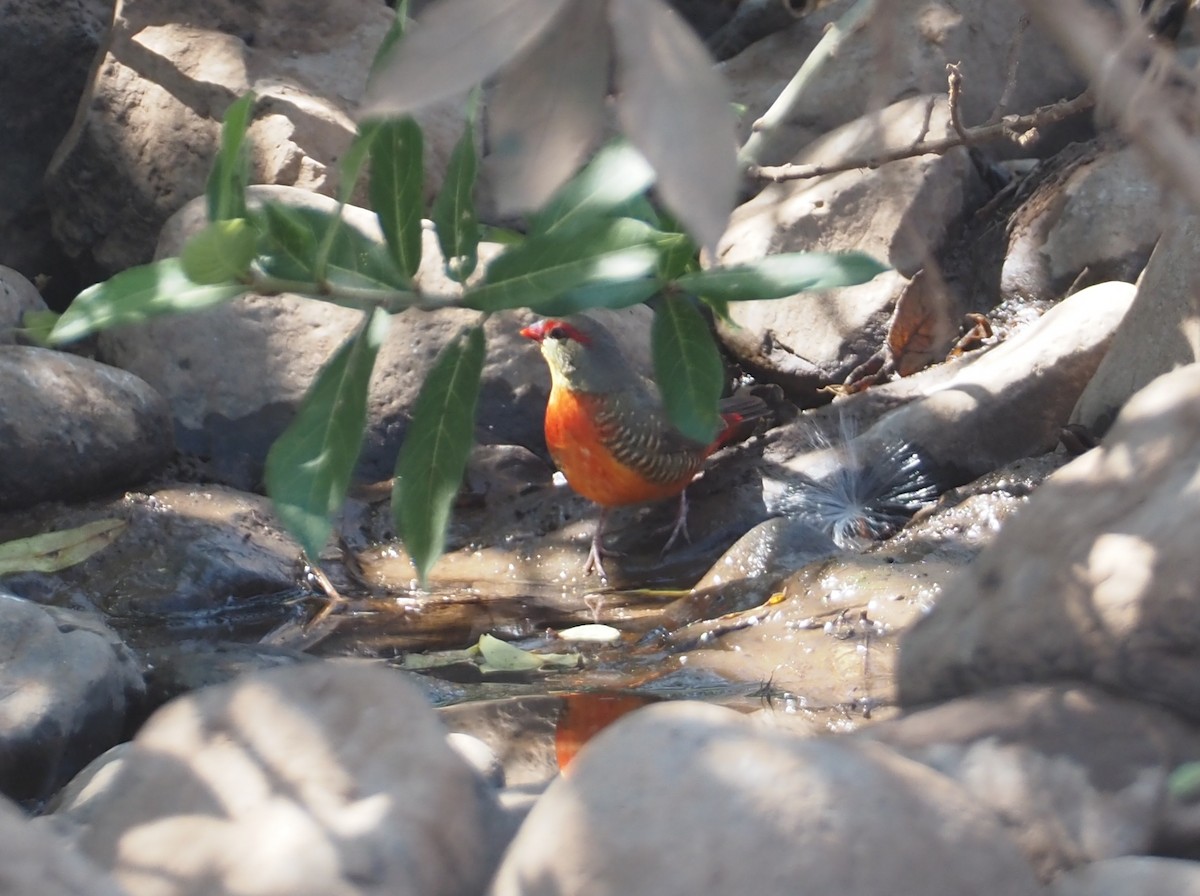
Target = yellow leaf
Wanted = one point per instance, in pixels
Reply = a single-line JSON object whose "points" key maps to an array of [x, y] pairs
{"points": [[53, 551]]}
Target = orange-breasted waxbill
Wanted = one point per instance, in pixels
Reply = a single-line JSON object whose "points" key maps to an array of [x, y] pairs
{"points": [[607, 429]]}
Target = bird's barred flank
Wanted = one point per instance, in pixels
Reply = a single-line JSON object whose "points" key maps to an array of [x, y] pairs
{"points": [[642, 448]]}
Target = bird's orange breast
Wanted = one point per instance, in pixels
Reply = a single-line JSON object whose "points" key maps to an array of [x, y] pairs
{"points": [[579, 450]]}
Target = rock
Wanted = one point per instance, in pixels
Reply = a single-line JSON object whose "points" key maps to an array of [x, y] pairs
{"points": [[1154, 338], [45, 55], [753, 20], [191, 556], [329, 778], [808, 342], [920, 39], [1096, 218], [70, 810], [478, 756], [899, 213], [144, 141], [1073, 774], [37, 862], [767, 551], [939, 428], [72, 427], [686, 798], [187, 664], [963, 418], [1093, 581], [498, 475], [540, 538], [822, 630], [1144, 875], [277, 345], [17, 295], [71, 687], [521, 732], [847, 211]]}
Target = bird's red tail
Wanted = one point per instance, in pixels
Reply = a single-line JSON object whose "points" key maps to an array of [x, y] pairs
{"points": [[740, 414]]}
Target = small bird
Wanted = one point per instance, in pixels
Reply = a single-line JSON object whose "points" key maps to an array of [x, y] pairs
{"points": [[608, 431]]}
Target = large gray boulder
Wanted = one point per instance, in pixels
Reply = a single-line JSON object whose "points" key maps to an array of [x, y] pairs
{"points": [[329, 779], [71, 687], [72, 427], [688, 798], [1094, 580]]}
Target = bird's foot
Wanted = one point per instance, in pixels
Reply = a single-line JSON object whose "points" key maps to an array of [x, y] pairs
{"points": [[594, 562], [595, 558], [598, 551], [679, 529]]}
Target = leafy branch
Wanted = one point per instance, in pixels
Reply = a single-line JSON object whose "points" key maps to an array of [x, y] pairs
{"points": [[597, 240]]}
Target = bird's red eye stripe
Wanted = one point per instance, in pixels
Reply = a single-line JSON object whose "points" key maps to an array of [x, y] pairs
{"points": [[560, 329], [555, 329]]}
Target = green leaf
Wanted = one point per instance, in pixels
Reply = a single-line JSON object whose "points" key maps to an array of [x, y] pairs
{"points": [[611, 294], [439, 659], [504, 657], [395, 31], [36, 325], [226, 188], [687, 368], [673, 104], [137, 294], [546, 266], [53, 551], [720, 309], [679, 257], [436, 446], [355, 157], [461, 44], [309, 467], [1183, 784], [500, 656], [503, 236], [397, 184], [777, 276], [288, 242], [221, 252], [454, 209], [548, 112], [613, 182], [292, 237]]}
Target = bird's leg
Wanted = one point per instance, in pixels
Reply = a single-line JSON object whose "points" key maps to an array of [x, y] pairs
{"points": [[597, 551], [680, 527]]}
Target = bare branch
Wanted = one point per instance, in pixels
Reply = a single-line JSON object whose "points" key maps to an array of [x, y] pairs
{"points": [[1020, 129], [954, 98]]}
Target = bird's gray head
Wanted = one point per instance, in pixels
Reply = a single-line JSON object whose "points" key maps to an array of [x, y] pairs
{"points": [[583, 355]]}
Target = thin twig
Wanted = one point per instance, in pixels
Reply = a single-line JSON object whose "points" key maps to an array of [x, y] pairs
{"points": [[333, 598], [1020, 129], [954, 97]]}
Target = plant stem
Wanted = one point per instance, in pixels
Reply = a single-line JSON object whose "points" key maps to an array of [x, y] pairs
{"points": [[767, 127], [391, 300]]}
